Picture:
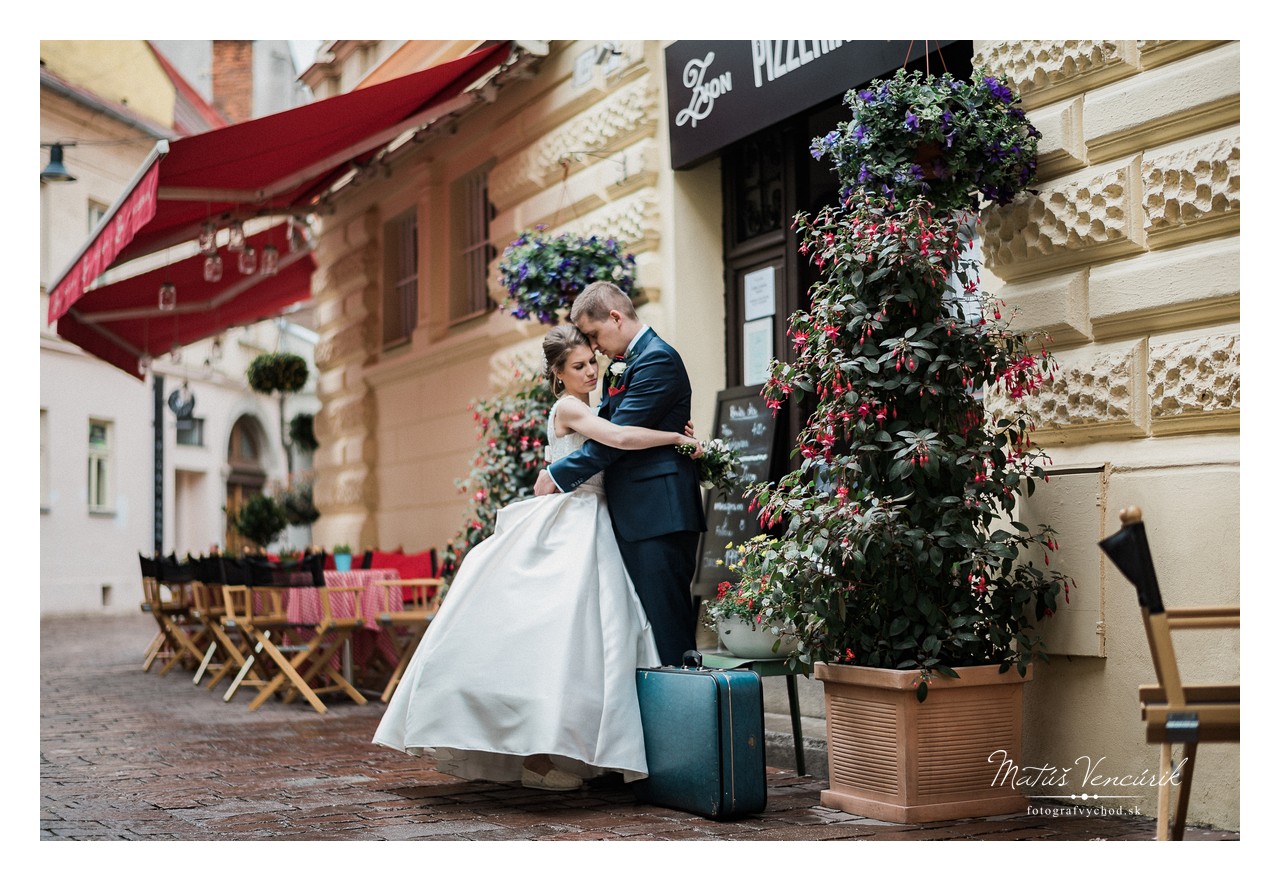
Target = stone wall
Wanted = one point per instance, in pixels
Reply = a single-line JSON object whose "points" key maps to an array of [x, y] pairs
{"points": [[1128, 256]]}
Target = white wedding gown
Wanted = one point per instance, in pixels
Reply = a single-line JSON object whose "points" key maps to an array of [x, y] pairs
{"points": [[534, 649]]}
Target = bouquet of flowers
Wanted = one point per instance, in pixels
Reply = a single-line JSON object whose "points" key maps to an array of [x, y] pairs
{"points": [[718, 465]]}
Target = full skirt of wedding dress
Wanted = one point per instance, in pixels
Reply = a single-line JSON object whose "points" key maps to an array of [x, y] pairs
{"points": [[534, 650]]}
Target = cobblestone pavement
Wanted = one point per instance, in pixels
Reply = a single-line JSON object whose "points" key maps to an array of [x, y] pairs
{"points": [[133, 756]]}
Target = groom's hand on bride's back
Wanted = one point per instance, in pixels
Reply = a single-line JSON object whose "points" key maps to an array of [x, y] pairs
{"points": [[544, 485]]}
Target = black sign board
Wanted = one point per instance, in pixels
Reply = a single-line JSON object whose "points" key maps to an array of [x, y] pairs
{"points": [[720, 91], [745, 422]]}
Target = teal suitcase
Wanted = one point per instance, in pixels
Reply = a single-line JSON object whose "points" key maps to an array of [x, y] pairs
{"points": [[703, 739]]}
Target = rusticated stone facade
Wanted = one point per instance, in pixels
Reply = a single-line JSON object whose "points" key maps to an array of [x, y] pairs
{"points": [[1198, 377], [347, 287], [1192, 194], [1128, 255]]}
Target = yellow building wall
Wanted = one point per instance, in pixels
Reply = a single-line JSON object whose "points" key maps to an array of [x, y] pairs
{"points": [[1129, 256], [125, 71], [586, 157]]}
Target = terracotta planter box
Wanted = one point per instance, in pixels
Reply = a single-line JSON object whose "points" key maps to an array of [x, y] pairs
{"points": [[893, 758]]}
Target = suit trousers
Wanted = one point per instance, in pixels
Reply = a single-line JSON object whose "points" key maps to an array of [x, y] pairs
{"points": [[662, 570]]}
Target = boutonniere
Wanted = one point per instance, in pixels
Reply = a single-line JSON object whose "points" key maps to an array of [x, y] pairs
{"points": [[616, 369]]}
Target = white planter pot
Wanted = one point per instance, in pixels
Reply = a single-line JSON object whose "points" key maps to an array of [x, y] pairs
{"points": [[746, 639]]}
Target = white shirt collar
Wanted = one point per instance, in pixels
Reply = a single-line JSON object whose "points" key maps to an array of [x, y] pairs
{"points": [[635, 339]]}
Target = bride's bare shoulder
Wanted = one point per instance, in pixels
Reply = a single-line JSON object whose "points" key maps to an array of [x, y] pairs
{"points": [[568, 411]]}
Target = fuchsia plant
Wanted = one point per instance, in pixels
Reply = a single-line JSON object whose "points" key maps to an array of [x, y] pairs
{"points": [[897, 538]]}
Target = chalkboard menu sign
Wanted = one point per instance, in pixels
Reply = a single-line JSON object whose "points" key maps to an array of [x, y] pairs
{"points": [[745, 422]]}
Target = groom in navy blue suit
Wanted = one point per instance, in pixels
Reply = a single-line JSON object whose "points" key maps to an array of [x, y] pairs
{"points": [[654, 497]]}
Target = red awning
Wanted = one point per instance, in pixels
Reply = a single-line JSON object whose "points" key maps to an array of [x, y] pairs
{"points": [[271, 166], [119, 322]]}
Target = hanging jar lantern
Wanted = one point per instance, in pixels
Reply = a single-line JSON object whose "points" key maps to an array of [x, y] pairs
{"points": [[270, 260], [235, 237], [248, 260], [213, 267], [208, 237], [168, 297]]}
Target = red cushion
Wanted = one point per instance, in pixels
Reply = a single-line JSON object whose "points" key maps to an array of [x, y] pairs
{"points": [[387, 560], [420, 565], [416, 566]]}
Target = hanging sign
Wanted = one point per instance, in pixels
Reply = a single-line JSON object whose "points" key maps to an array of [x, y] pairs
{"points": [[720, 91]]}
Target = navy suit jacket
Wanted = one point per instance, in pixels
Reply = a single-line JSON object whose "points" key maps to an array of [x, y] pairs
{"points": [[655, 491]]}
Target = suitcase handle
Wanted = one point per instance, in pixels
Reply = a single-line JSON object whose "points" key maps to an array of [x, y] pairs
{"points": [[691, 658]]}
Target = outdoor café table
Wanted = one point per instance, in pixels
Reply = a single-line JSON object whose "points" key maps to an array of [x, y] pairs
{"points": [[303, 607]]}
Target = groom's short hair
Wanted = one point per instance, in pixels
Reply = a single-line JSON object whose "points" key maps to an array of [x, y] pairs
{"points": [[597, 299]]}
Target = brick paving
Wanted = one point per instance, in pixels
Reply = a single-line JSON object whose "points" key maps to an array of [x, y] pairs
{"points": [[133, 756]]}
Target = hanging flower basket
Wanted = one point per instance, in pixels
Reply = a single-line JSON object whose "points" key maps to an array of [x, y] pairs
{"points": [[542, 274], [952, 141]]}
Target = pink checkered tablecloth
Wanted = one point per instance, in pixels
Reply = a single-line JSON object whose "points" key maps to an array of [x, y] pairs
{"points": [[304, 607]]}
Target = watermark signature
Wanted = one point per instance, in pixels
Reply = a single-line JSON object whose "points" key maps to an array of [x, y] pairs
{"points": [[1080, 781], [1081, 811]]}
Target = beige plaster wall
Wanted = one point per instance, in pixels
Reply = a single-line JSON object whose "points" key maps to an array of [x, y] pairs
{"points": [[124, 71], [1128, 256], [586, 157]]}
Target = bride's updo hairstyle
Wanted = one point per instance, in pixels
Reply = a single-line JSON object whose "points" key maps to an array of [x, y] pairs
{"points": [[556, 346]]}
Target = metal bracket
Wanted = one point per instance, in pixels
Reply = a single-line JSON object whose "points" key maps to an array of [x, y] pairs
{"points": [[1183, 727]]}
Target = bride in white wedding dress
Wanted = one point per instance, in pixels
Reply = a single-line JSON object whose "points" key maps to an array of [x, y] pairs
{"points": [[528, 671]]}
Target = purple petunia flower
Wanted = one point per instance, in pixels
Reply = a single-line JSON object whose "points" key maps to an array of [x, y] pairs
{"points": [[997, 89], [913, 122]]}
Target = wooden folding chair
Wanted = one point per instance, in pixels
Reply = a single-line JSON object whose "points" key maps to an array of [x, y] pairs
{"points": [[1175, 712], [420, 598], [148, 567], [262, 613], [226, 650], [252, 613], [166, 587]]}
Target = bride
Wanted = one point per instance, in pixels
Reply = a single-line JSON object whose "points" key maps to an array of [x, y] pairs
{"points": [[528, 671]]}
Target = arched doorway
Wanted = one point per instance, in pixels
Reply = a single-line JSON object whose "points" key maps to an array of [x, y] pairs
{"points": [[247, 476]]}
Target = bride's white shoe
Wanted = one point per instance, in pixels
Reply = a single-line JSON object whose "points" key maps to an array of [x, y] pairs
{"points": [[554, 779]]}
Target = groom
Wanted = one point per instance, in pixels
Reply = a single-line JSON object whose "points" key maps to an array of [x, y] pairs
{"points": [[654, 497]]}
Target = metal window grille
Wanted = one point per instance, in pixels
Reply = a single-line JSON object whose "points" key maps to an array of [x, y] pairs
{"points": [[400, 306], [476, 252]]}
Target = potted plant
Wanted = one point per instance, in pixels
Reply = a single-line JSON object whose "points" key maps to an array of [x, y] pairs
{"points": [[900, 562], [281, 373], [261, 520], [542, 273], [738, 611], [277, 372], [952, 141], [298, 503], [342, 557], [302, 432]]}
